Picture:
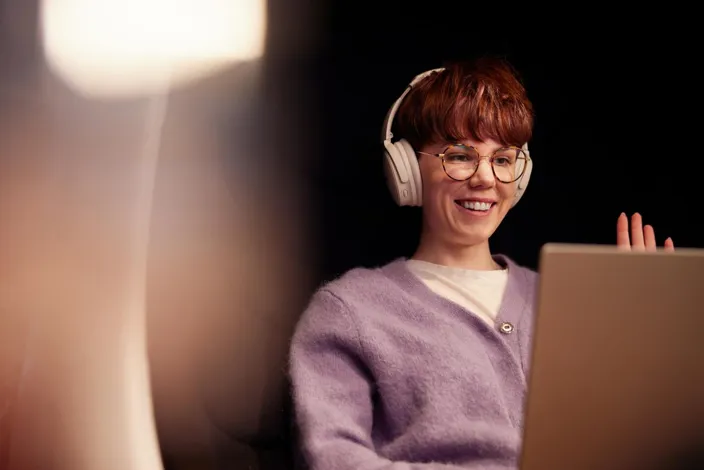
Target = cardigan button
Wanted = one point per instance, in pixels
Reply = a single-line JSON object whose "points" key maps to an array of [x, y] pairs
{"points": [[506, 328]]}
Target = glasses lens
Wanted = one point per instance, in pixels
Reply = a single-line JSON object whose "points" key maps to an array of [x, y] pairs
{"points": [[509, 164], [460, 162]]}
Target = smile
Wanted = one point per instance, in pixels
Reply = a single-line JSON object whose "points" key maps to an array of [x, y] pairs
{"points": [[479, 208]]}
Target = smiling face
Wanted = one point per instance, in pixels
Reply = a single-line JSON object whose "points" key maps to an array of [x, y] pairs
{"points": [[463, 212], [480, 104]]}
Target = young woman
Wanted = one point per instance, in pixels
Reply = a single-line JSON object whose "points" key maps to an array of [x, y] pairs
{"points": [[422, 363]]}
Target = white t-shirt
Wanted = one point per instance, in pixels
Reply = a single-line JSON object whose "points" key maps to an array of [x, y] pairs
{"points": [[480, 292]]}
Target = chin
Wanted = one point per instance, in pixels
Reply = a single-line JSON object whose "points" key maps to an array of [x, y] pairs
{"points": [[474, 238], [477, 233]]}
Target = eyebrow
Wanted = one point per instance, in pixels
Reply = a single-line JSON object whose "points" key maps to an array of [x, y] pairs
{"points": [[498, 147]]}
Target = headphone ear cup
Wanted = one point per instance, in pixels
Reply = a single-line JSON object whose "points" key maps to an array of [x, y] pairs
{"points": [[415, 180], [402, 173], [400, 162], [398, 175], [523, 181]]}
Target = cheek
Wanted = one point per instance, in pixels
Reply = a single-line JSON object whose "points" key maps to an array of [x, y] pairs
{"points": [[440, 192], [435, 184], [432, 173], [506, 192]]}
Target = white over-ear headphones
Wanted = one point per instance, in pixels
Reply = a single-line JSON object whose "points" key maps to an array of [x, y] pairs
{"points": [[401, 164]]}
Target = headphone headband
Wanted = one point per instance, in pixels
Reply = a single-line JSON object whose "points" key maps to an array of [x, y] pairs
{"points": [[389, 120]]}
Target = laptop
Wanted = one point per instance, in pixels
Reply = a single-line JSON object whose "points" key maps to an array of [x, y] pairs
{"points": [[617, 375]]}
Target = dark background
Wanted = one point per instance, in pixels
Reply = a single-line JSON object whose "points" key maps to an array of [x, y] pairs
{"points": [[618, 125]]}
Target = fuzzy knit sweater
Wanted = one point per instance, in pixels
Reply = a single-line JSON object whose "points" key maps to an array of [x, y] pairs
{"points": [[388, 375]]}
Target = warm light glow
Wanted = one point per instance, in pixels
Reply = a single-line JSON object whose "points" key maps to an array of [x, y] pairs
{"points": [[127, 47]]}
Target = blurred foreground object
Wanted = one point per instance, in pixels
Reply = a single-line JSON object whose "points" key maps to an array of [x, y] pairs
{"points": [[176, 205], [132, 47]]}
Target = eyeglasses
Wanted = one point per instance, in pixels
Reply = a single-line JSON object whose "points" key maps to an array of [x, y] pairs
{"points": [[460, 162]]}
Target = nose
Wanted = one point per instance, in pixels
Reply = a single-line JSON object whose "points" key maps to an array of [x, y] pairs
{"points": [[483, 177]]}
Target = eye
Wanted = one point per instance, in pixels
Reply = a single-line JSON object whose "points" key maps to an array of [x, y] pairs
{"points": [[505, 157], [503, 161], [458, 158]]}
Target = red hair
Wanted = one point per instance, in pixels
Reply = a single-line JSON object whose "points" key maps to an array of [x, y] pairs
{"points": [[478, 100]]}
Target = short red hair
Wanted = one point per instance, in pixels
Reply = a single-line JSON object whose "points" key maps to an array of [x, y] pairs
{"points": [[479, 100]]}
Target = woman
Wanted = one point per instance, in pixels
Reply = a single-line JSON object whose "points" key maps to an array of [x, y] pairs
{"points": [[422, 363]]}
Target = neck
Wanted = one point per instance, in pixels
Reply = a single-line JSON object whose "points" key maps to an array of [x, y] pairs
{"points": [[476, 257]]}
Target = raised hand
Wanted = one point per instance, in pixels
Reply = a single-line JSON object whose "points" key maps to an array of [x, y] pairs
{"points": [[638, 238]]}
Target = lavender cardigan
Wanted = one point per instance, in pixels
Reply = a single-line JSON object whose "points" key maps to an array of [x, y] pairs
{"points": [[388, 375]]}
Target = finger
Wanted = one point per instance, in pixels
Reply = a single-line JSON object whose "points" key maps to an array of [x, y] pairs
{"points": [[637, 242], [649, 238], [669, 245], [623, 241]]}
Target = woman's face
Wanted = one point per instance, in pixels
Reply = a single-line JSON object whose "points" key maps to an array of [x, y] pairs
{"points": [[463, 212]]}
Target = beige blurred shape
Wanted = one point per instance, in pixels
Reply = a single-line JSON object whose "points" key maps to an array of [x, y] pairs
{"points": [[138, 47], [109, 223]]}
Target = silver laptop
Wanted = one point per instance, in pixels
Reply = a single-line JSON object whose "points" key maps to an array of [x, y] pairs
{"points": [[617, 375]]}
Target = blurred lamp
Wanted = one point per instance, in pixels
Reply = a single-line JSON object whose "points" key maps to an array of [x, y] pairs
{"points": [[113, 48]]}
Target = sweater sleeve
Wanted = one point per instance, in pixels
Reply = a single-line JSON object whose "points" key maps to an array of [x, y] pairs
{"points": [[332, 392]]}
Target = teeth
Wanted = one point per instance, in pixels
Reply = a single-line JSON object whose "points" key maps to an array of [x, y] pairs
{"points": [[476, 206]]}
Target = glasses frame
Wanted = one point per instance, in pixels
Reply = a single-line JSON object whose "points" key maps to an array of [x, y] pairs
{"points": [[491, 157]]}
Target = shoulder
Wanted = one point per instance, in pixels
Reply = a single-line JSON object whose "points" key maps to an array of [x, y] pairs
{"points": [[359, 277], [367, 283], [359, 290], [336, 312]]}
